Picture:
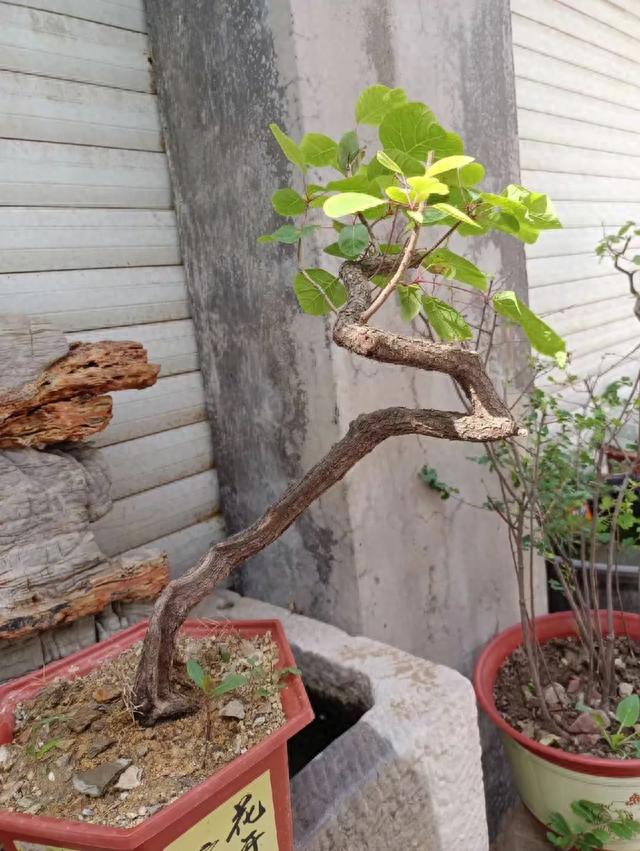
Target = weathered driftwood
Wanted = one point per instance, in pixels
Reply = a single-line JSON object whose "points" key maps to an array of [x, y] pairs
{"points": [[123, 579], [51, 392], [52, 571], [51, 568]]}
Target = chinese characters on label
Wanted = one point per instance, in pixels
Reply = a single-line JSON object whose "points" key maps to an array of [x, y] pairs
{"points": [[243, 823]]}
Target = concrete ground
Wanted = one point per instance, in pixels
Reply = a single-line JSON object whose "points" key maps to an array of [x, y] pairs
{"points": [[521, 833]]}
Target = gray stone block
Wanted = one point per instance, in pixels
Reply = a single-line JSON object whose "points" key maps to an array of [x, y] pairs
{"points": [[408, 774]]}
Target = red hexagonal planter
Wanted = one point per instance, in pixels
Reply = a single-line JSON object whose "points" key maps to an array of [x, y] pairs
{"points": [[203, 818]]}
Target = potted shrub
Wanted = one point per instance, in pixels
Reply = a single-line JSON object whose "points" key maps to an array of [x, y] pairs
{"points": [[564, 688], [389, 219]]}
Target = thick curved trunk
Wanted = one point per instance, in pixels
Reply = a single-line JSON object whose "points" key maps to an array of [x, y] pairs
{"points": [[488, 420]]}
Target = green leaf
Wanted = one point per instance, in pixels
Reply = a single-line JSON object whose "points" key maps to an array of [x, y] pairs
{"points": [[448, 163], [558, 823], [287, 234], [289, 148], [347, 203], [348, 151], [353, 240], [195, 672], [387, 162], [310, 286], [456, 214], [445, 320], [622, 829], [408, 130], [376, 101], [319, 150], [468, 175], [410, 303], [444, 262], [47, 747], [335, 251], [230, 683], [287, 202], [628, 710], [542, 338]]}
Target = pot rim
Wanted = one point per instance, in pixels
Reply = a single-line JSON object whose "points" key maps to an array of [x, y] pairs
{"points": [[295, 704], [496, 651]]}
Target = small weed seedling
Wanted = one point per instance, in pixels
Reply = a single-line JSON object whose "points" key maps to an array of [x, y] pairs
{"points": [[268, 681], [37, 747], [601, 824], [211, 691], [627, 714]]}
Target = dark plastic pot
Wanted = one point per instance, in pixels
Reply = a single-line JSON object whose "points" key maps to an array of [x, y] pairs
{"points": [[549, 779], [201, 815]]}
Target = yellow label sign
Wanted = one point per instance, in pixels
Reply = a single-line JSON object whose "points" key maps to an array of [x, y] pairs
{"points": [[243, 823]]}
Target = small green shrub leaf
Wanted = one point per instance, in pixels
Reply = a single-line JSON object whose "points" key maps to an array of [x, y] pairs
{"points": [[312, 285], [446, 322], [353, 240], [628, 710], [376, 102], [349, 153], [455, 213], [319, 150], [542, 338], [448, 164], [195, 672], [230, 683], [289, 148], [287, 202], [410, 302], [444, 262], [387, 162], [347, 203]]}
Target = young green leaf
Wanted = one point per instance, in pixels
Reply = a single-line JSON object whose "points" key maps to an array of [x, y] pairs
{"points": [[387, 162], [347, 203], [628, 710], [445, 320], [310, 288], [195, 672], [423, 185], [447, 164], [456, 214], [230, 683], [287, 202], [335, 251], [410, 302], [376, 101], [542, 338], [353, 240], [319, 150], [289, 148]]}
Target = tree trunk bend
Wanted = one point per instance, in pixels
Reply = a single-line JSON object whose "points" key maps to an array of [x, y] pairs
{"points": [[488, 420]]}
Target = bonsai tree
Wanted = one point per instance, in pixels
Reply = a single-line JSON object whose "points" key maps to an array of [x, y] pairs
{"points": [[388, 216]]}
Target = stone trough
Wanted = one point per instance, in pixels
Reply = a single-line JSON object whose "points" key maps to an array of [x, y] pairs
{"points": [[407, 773]]}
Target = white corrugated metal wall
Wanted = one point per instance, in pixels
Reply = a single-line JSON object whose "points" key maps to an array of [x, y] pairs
{"points": [[88, 239], [577, 65]]}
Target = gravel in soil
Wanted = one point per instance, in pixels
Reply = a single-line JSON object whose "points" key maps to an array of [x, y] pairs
{"points": [[565, 684], [78, 753]]}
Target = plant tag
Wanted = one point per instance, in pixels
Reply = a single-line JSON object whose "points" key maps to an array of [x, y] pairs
{"points": [[245, 822]]}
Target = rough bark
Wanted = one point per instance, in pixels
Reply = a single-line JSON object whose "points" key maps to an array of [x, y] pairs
{"points": [[65, 401], [488, 420]]}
